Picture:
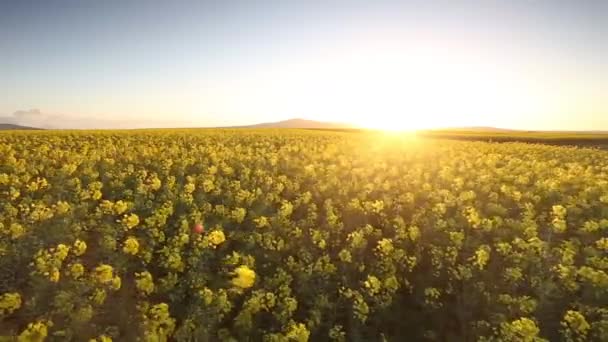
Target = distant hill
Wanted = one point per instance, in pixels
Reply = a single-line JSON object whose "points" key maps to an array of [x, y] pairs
{"points": [[9, 127], [298, 123]]}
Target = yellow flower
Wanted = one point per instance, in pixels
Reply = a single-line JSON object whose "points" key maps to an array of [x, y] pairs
{"points": [[238, 214], [345, 256], [16, 230], [208, 185], [207, 295], [155, 183], [482, 256], [261, 222], [54, 275], [104, 273], [523, 329], [602, 244], [385, 246], [245, 277], [297, 332], [62, 207], [106, 207], [130, 221], [62, 252], [159, 324], [116, 283], [96, 194], [559, 211], [216, 237], [79, 247], [373, 284], [35, 332], [9, 302], [184, 239], [14, 193], [576, 322], [144, 282], [131, 246], [99, 296], [102, 338], [189, 188], [120, 207], [76, 270]]}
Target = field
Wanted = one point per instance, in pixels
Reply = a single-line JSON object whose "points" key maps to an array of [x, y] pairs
{"points": [[599, 139], [307, 235]]}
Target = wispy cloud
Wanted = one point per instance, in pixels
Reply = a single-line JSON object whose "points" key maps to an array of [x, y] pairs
{"points": [[37, 118]]}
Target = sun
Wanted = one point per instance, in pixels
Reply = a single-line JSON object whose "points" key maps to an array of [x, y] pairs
{"points": [[403, 90], [389, 88], [389, 124]]}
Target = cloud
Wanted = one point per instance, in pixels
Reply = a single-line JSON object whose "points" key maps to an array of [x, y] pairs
{"points": [[40, 119], [32, 118], [27, 113]]}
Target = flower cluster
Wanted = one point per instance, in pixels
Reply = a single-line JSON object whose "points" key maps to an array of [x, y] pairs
{"points": [[131, 246], [9, 302], [244, 277]]}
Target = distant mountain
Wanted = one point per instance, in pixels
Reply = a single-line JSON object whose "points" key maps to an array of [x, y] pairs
{"points": [[298, 123], [8, 127]]}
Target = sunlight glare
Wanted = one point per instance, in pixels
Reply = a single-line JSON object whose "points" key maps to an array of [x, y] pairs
{"points": [[389, 88]]}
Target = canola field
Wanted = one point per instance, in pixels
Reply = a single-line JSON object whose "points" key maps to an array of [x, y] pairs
{"points": [[293, 235]]}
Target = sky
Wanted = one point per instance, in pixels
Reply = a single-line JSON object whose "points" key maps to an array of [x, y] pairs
{"points": [[383, 64]]}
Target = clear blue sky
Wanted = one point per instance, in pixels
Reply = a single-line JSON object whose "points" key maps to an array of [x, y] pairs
{"points": [[518, 64]]}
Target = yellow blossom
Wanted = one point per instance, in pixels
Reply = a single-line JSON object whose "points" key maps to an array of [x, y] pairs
{"points": [[120, 207], [103, 273], [130, 221], [116, 283], [99, 296], [155, 183], [385, 246], [16, 230], [575, 321], [54, 275], [373, 284], [62, 252], [101, 338], [80, 247], [189, 188], [244, 277], [144, 282], [602, 244], [76, 270], [482, 256], [9, 302], [207, 295], [216, 237], [35, 332], [261, 222], [62, 207], [131, 246]]}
